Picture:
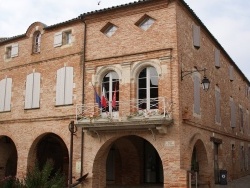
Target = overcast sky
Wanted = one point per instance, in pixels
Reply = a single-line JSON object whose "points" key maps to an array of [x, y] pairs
{"points": [[227, 20]]}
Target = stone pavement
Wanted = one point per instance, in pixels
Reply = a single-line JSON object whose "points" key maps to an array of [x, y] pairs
{"points": [[239, 183]]}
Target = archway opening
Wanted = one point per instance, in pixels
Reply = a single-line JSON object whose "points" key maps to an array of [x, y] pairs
{"points": [[129, 161], [52, 148], [199, 165], [8, 157]]}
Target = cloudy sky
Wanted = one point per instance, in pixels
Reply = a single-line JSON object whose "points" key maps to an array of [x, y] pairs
{"points": [[227, 20]]}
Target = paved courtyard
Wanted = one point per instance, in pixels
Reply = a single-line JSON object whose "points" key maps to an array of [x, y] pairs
{"points": [[239, 183]]}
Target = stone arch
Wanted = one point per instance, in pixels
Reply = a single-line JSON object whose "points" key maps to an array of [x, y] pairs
{"points": [[34, 27], [129, 163], [8, 157], [102, 71], [138, 66], [198, 159], [49, 146]]}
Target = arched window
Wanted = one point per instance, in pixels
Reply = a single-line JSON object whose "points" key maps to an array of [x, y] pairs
{"points": [[36, 42], [110, 92], [148, 89]]}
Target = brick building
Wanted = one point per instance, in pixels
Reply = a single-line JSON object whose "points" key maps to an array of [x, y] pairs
{"points": [[130, 76]]}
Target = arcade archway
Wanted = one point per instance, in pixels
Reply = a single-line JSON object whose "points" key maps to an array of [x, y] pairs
{"points": [[128, 161], [8, 157]]}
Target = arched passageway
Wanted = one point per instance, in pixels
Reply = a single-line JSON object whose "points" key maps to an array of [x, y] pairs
{"points": [[129, 161], [199, 164], [50, 147], [8, 157]]}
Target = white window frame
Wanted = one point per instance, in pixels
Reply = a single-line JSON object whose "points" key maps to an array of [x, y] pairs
{"points": [[37, 42], [5, 94], [112, 76], [148, 99]]}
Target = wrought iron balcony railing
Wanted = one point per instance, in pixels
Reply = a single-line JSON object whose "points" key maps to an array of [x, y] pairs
{"points": [[125, 111]]}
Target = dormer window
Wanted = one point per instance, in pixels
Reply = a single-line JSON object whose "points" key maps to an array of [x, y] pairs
{"points": [[36, 42], [109, 29], [145, 22]]}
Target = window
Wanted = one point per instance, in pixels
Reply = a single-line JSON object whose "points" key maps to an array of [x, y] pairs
{"points": [[148, 89], [233, 113], [64, 86], [67, 37], [242, 158], [109, 29], [241, 119], [11, 51], [32, 92], [110, 91], [63, 38], [217, 105], [145, 22], [36, 42], [217, 58], [231, 73], [197, 93], [5, 94], [196, 36]]}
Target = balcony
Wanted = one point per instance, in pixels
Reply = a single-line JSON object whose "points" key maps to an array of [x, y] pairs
{"points": [[152, 114]]}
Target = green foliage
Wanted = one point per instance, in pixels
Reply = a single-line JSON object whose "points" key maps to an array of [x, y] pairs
{"points": [[36, 178], [44, 178]]}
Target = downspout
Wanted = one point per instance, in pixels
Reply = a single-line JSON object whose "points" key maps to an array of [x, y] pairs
{"points": [[83, 86]]}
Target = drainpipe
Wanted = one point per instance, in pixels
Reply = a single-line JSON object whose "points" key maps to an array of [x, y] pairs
{"points": [[83, 86]]}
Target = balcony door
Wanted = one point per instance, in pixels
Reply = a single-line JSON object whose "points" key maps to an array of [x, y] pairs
{"points": [[148, 89], [110, 91]]}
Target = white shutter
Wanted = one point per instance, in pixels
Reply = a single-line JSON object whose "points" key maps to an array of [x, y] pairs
{"points": [[14, 50], [8, 94], [68, 86], [196, 36], [28, 91], [60, 87], [36, 90], [2, 94], [58, 39]]}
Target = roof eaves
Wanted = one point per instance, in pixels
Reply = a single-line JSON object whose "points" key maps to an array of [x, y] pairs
{"points": [[8, 39], [112, 8], [62, 23]]}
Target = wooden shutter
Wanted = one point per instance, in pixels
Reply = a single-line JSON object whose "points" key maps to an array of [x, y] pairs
{"points": [[60, 86], [217, 58], [2, 94], [28, 91], [8, 94], [233, 113], [14, 50], [58, 39], [36, 90], [68, 85], [196, 36], [231, 73], [196, 94], [217, 104]]}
